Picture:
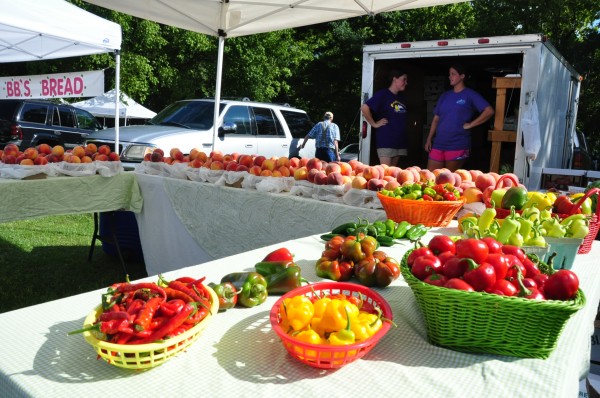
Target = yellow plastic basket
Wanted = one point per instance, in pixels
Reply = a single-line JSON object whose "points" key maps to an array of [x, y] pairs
{"points": [[145, 356]]}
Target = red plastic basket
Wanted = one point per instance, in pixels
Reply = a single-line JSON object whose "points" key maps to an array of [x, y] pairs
{"points": [[594, 222], [502, 213], [326, 356]]}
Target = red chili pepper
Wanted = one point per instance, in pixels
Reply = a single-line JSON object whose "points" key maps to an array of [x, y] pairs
{"points": [[135, 306], [132, 287], [144, 317], [171, 307], [111, 315], [173, 294], [169, 326]]}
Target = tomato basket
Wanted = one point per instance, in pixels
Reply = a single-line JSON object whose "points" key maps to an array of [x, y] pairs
{"points": [[479, 322], [594, 222], [326, 356], [501, 213], [145, 356], [428, 213]]}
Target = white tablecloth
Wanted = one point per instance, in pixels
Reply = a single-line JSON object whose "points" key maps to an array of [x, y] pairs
{"points": [[186, 222], [239, 354]]}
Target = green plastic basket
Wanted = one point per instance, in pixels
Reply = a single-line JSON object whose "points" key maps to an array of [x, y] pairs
{"points": [[488, 323]]}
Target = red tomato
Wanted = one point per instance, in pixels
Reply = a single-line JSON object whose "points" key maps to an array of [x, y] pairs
{"points": [[493, 245], [561, 285], [436, 279], [455, 267], [500, 263], [480, 276], [441, 243], [503, 287], [531, 267], [515, 251], [423, 266], [472, 248], [459, 284], [421, 251], [445, 256]]}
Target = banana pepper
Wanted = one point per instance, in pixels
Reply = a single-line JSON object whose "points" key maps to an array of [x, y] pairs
{"points": [[538, 200]]}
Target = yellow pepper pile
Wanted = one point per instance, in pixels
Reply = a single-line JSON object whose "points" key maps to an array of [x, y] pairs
{"points": [[327, 320]]}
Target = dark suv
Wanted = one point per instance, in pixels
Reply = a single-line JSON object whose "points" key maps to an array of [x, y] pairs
{"points": [[28, 123]]}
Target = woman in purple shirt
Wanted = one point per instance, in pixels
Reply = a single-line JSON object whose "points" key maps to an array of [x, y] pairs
{"points": [[386, 111], [456, 112]]}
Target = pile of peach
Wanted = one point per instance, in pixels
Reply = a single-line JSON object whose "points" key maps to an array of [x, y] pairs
{"points": [[44, 154], [470, 183]]}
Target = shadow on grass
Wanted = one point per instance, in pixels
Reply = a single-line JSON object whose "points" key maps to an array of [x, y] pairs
{"points": [[53, 272]]}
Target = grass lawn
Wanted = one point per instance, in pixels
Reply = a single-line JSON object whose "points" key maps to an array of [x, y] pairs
{"points": [[46, 258]]}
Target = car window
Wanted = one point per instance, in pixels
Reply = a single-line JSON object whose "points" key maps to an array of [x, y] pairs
{"points": [[86, 120], [192, 114], [266, 122], [34, 113], [240, 115], [298, 123], [63, 117]]}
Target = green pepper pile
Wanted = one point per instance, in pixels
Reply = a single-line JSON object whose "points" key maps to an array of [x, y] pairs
{"points": [[385, 232]]}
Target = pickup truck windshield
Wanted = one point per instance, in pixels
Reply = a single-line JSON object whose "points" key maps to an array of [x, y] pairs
{"points": [[188, 114]]}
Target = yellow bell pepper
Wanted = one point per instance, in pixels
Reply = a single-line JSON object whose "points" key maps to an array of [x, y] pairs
{"points": [[344, 336], [366, 325], [297, 311], [335, 316], [539, 200], [307, 336]]}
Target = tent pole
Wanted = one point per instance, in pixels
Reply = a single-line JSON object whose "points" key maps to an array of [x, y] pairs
{"points": [[117, 88], [218, 87]]}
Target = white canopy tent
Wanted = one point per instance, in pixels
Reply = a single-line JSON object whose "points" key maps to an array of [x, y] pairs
{"points": [[33, 30], [104, 106], [233, 18]]}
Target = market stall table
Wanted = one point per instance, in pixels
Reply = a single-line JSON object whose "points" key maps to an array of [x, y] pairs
{"points": [[23, 199], [188, 222], [239, 354]]}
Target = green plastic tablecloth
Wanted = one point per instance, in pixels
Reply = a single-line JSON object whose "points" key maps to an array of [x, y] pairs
{"points": [[22, 199]]}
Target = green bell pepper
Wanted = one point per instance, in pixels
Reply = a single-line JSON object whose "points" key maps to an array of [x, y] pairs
{"points": [[266, 268], [284, 281], [251, 285]]}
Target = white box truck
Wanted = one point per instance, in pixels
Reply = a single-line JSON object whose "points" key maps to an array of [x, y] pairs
{"points": [[511, 72]]}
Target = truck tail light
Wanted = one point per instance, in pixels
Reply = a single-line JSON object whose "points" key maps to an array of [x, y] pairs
{"points": [[364, 129], [405, 45], [16, 133], [483, 41], [442, 43]]}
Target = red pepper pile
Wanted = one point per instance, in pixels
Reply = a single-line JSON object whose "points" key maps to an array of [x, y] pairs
{"points": [[485, 265], [141, 313]]}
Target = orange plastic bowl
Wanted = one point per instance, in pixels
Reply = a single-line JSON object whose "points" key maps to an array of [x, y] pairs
{"points": [[326, 356]]}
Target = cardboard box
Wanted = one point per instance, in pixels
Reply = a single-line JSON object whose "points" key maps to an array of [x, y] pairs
{"points": [[561, 179]]}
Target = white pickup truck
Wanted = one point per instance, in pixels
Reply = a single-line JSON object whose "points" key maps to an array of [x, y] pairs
{"points": [[245, 127]]}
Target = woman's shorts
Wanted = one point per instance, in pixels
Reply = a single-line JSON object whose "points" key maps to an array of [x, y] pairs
{"points": [[391, 152], [445, 156]]}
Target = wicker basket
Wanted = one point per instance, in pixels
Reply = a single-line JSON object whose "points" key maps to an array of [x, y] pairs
{"points": [[500, 212], [430, 214], [594, 222], [331, 356], [489, 323], [145, 356]]}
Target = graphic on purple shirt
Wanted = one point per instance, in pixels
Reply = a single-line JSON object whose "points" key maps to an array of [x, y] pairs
{"points": [[454, 110], [385, 104]]}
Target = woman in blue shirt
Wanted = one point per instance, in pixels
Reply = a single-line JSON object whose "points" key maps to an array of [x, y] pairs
{"points": [[386, 111], [456, 112]]}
